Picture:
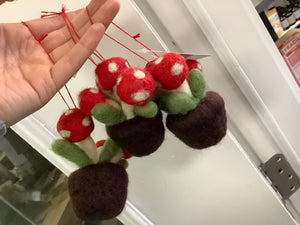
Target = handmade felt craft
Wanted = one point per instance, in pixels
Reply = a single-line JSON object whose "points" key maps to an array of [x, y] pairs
{"points": [[196, 117], [98, 190], [131, 118], [129, 100]]}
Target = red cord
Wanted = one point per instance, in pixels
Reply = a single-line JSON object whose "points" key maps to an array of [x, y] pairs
{"points": [[51, 59], [91, 21], [125, 47], [135, 38]]}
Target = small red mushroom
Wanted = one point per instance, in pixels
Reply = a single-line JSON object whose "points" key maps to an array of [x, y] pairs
{"points": [[108, 71], [75, 126], [194, 64], [170, 70], [135, 87], [88, 98]]}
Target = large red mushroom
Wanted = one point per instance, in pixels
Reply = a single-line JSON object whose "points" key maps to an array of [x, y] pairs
{"points": [[75, 126], [169, 70], [135, 87]]}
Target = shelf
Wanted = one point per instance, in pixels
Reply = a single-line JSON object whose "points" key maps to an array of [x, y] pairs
{"points": [[291, 27]]}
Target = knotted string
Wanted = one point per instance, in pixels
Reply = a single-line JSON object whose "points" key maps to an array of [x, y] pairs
{"points": [[39, 40], [91, 21]]}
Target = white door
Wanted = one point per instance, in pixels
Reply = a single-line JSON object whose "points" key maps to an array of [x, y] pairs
{"points": [[178, 185]]}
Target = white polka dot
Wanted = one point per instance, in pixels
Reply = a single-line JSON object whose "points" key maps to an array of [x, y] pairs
{"points": [[158, 61], [79, 100], [94, 90], [68, 112], [112, 67], [119, 80], [86, 121], [65, 133], [141, 95], [139, 74], [176, 69], [97, 80]]}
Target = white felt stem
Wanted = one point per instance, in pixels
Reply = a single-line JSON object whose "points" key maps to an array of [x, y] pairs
{"points": [[117, 157], [184, 88], [128, 110], [113, 104], [89, 147]]}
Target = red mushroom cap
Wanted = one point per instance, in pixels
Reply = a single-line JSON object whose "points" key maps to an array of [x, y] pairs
{"points": [[100, 143], [88, 98], [126, 155], [135, 86], [194, 64], [73, 125], [108, 71], [170, 70]]}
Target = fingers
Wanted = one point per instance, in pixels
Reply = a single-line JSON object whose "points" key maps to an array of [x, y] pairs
{"points": [[49, 24], [101, 11], [71, 62]]}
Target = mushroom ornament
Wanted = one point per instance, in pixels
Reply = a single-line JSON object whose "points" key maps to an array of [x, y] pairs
{"points": [[132, 119], [98, 189], [195, 116]]}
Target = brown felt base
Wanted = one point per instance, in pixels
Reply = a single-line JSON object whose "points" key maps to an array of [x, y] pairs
{"points": [[203, 127], [98, 192], [139, 136]]}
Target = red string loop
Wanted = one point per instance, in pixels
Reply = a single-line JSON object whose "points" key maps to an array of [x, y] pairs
{"points": [[50, 13], [136, 36]]}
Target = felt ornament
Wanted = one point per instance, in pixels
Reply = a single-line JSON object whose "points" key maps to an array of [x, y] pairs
{"points": [[98, 190], [134, 122], [196, 117]]}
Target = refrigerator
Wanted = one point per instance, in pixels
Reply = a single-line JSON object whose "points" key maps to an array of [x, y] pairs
{"points": [[220, 185]]}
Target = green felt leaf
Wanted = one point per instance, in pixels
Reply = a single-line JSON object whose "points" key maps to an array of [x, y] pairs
{"points": [[148, 111], [124, 163], [177, 103], [71, 152], [108, 114], [197, 83], [109, 150]]}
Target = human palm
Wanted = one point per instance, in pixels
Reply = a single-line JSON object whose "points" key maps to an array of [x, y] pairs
{"points": [[28, 78]]}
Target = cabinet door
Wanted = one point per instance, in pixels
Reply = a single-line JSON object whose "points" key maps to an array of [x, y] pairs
{"points": [[176, 185]]}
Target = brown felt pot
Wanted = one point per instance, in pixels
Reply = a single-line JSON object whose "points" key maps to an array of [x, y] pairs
{"points": [[203, 127], [98, 192], [139, 136]]}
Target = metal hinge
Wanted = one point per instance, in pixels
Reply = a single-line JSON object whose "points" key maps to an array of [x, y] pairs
{"points": [[281, 175]]}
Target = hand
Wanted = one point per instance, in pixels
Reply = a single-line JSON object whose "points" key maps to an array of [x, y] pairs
{"points": [[2, 1], [28, 79]]}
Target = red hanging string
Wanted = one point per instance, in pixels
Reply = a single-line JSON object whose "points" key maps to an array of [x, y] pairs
{"points": [[51, 59], [125, 47], [135, 38], [91, 21], [71, 28]]}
